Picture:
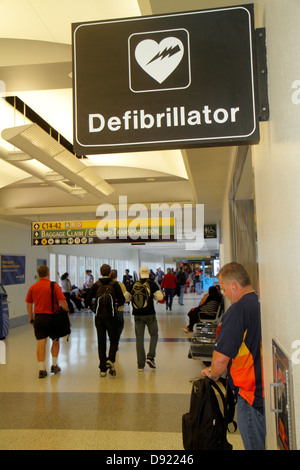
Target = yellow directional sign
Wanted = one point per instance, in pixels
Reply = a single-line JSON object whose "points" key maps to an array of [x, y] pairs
{"points": [[85, 232]]}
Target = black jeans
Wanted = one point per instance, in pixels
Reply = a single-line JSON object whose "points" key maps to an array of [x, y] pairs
{"points": [[169, 297], [111, 327], [68, 299]]}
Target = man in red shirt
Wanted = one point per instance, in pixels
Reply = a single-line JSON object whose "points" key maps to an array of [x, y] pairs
{"points": [[40, 295], [169, 284]]}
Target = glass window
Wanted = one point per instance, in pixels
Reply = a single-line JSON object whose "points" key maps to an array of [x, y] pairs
{"points": [[72, 270], [62, 264], [98, 264], [52, 267], [81, 271]]}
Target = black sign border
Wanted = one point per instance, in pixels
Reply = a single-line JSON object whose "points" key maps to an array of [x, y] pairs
{"points": [[252, 138]]}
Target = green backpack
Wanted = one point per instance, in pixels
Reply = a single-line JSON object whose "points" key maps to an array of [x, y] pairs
{"points": [[140, 295]]}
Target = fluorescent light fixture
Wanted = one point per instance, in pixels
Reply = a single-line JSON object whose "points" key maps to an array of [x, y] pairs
{"points": [[34, 141], [24, 168], [17, 157], [10, 117], [78, 191], [53, 176], [9, 174]]}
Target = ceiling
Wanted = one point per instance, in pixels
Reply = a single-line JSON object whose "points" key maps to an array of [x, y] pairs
{"points": [[36, 66]]}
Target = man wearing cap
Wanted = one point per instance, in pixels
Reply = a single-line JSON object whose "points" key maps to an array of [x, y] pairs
{"points": [[145, 315]]}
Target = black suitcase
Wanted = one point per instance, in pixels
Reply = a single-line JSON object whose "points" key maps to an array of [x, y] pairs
{"points": [[202, 348], [208, 330], [203, 340]]}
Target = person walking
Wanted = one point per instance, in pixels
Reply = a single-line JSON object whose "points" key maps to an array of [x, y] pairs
{"points": [[66, 288], [89, 281], [127, 280], [143, 293], [120, 315], [169, 284], [39, 309], [160, 274], [238, 349], [109, 297], [181, 279], [198, 281], [206, 310]]}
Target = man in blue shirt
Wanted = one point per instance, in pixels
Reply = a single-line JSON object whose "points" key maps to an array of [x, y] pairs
{"points": [[238, 349]]}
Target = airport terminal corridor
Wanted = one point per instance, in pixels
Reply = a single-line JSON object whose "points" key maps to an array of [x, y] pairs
{"points": [[79, 410]]}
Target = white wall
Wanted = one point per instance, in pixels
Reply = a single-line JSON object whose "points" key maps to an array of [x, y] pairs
{"points": [[277, 187], [276, 164], [16, 240], [226, 239]]}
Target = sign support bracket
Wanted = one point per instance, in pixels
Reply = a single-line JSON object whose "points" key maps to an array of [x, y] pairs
{"points": [[262, 74]]}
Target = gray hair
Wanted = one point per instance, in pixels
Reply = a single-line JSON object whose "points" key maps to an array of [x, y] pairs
{"points": [[234, 272]]}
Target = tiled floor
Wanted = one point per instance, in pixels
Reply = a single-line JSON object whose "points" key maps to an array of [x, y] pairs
{"points": [[79, 410]]}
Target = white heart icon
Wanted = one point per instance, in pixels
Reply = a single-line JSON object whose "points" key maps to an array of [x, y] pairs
{"points": [[159, 60]]}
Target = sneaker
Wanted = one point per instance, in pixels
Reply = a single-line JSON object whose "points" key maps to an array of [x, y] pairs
{"points": [[42, 374], [151, 363], [55, 370], [103, 374], [186, 330], [111, 367], [141, 369]]}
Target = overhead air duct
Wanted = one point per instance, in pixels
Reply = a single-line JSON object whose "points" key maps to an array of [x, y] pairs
{"points": [[38, 144]]}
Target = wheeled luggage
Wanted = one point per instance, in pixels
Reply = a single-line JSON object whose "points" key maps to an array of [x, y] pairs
{"points": [[202, 348], [204, 337], [205, 329]]}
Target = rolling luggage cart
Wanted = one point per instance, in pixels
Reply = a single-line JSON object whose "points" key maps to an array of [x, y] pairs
{"points": [[202, 347], [204, 336]]}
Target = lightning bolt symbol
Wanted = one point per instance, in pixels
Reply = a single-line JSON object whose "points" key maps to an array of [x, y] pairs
{"points": [[168, 51]]}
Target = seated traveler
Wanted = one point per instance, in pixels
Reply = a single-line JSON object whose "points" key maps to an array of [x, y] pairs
{"points": [[206, 310]]}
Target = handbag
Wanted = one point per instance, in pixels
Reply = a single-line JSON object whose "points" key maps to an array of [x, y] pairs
{"points": [[60, 321]]}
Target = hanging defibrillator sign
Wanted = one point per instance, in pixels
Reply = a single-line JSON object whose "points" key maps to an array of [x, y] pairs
{"points": [[161, 82]]}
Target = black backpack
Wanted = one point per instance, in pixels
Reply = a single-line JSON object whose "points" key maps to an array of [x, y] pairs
{"points": [[129, 284], [140, 295], [205, 426], [181, 278], [105, 299]]}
